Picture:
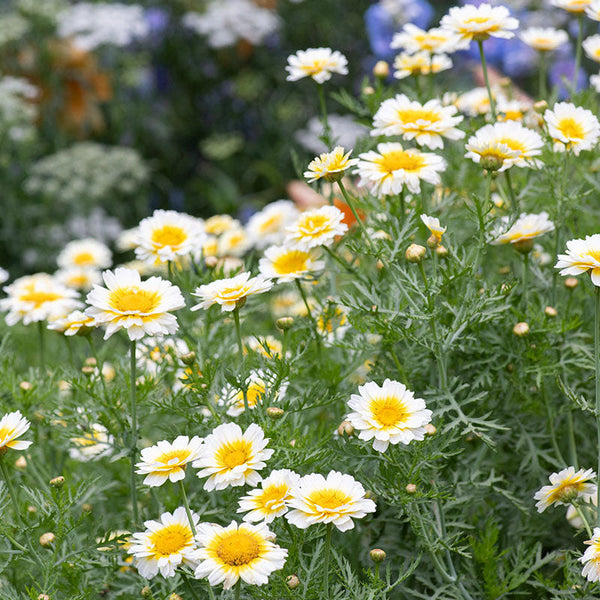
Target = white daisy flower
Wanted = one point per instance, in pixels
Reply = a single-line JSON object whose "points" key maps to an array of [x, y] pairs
{"points": [[230, 457], [565, 487], [79, 278], [234, 242], [433, 224], [421, 63], [219, 224], [330, 165], [87, 253], [267, 227], [426, 123], [478, 23], [574, 127], [581, 256], [511, 110], [168, 460], [140, 307], [337, 499], [476, 102], [13, 426], [75, 322], [318, 63], [544, 39], [285, 264], [389, 414], [413, 39], [93, 443], [591, 557], [316, 227], [391, 168], [592, 10], [526, 228], [591, 46], [244, 551], [165, 545], [127, 240], [574, 6]]}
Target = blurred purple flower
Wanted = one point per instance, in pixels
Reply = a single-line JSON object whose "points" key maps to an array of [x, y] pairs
{"points": [[561, 77], [157, 19]]}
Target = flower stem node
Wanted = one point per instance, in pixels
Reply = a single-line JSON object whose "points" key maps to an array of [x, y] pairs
{"points": [[521, 329], [21, 462], [346, 428], [47, 539], [57, 482], [550, 311], [415, 253], [524, 246], [293, 582], [540, 107], [275, 413], [571, 283], [284, 323], [381, 70], [491, 163], [189, 358], [411, 488], [377, 555], [441, 251]]}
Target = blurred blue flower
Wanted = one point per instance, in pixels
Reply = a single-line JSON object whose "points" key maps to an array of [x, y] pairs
{"points": [[519, 59], [157, 19], [561, 77]]}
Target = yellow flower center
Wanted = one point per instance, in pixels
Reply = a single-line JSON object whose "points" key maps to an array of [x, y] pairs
{"points": [[134, 300], [169, 235], [413, 115], [174, 458], [478, 20], [315, 225], [571, 128], [78, 280], [39, 298], [6, 432], [84, 258], [594, 253], [388, 411], [234, 454], [316, 67], [171, 539], [270, 224], [513, 144], [218, 224], [329, 498], [238, 548], [565, 490], [273, 496], [293, 261], [400, 160]]}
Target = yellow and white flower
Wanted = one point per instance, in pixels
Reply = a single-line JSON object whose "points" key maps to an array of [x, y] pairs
{"points": [[421, 63], [140, 307], [427, 123], [318, 63], [165, 545], [234, 242], [330, 165], [75, 322], [433, 224], [287, 263], [413, 39], [591, 557], [168, 460], [573, 127], [391, 168], [79, 278], [478, 23], [230, 457], [244, 551], [592, 10], [267, 346], [168, 236], [511, 110], [270, 499], [228, 293], [591, 46], [565, 487], [12, 426], [38, 297], [476, 102], [388, 414], [87, 253], [93, 443], [219, 224], [336, 499], [316, 227], [267, 226], [525, 229], [127, 240], [574, 6], [582, 255], [544, 39], [257, 385]]}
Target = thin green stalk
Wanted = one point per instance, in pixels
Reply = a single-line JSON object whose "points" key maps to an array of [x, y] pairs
{"points": [[550, 416], [9, 485], [310, 315], [284, 344], [402, 205], [583, 518], [238, 589], [578, 52], [401, 370], [487, 81], [376, 572], [42, 343], [187, 507], [542, 89], [597, 363], [324, 117], [238, 332], [326, 560], [350, 203], [525, 283], [134, 429]]}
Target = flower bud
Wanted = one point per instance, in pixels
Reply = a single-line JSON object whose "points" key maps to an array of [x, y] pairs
{"points": [[146, 592], [430, 429], [441, 251], [31, 510], [381, 69], [211, 261], [571, 283], [505, 270], [411, 488], [175, 596], [21, 462], [275, 413], [379, 264], [415, 253], [521, 329], [523, 246], [47, 539], [346, 428], [189, 358], [88, 370], [43, 597], [368, 90], [91, 361], [292, 582], [540, 107], [86, 508], [432, 241], [550, 311], [57, 482], [284, 323], [25, 386], [377, 555], [491, 163]]}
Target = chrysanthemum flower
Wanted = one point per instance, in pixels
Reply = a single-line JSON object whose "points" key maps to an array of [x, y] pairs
{"points": [[330, 165], [525, 229], [243, 551], [87, 253], [270, 499], [391, 168], [13, 426], [337, 499], [591, 557], [79, 278], [509, 142], [592, 10], [230, 457], [544, 39], [38, 297], [426, 123], [168, 460], [285, 263], [389, 414], [228, 293], [93, 443], [478, 23], [316, 227], [140, 307], [413, 39], [234, 242], [574, 127], [318, 63], [75, 322], [165, 545], [433, 224], [421, 63], [476, 102], [219, 224], [168, 236], [566, 486], [267, 227], [511, 110], [591, 46], [581, 256], [574, 6]]}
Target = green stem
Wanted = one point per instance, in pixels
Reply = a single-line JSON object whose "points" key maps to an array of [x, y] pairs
{"points": [[487, 81], [597, 363], [326, 560], [341, 262], [551, 428], [325, 120], [238, 332], [578, 52], [401, 370], [571, 434], [583, 518], [310, 315], [9, 485], [187, 507], [42, 344], [134, 429], [542, 90], [557, 220], [350, 203], [524, 280]]}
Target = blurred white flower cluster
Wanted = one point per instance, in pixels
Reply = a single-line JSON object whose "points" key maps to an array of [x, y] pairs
{"points": [[17, 114]]}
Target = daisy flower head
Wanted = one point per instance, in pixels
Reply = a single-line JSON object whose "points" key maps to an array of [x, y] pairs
{"points": [[337, 499], [478, 23], [38, 297], [582, 255], [511, 110], [234, 242], [591, 557], [565, 487], [165, 545], [427, 123], [140, 307], [574, 6], [168, 460], [413, 39], [573, 127], [267, 227], [316, 227], [476, 102], [168, 236], [93, 443], [421, 63], [219, 224], [287, 263], [12, 426], [525, 229], [433, 224], [592, 10], [271, 498], [544, 39], [228, 554], [230, 457], [330, 165], [79, 278], [318, 63], [388, 414], [391, 168], [87, 253], [76, 322], [232, 292], [591, 46]]}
